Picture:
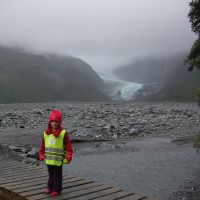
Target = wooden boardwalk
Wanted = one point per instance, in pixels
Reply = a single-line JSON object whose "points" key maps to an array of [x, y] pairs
{"points": [[20, 181]]}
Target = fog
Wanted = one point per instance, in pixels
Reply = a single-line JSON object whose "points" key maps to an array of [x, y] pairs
{"points": [[105, 33]]}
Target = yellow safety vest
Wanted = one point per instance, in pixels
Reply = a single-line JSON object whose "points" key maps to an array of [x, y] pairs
{"points": [[54, 148]]}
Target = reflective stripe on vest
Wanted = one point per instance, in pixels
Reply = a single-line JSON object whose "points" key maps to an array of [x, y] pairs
{"points": [[54, 148], [54, 158]]}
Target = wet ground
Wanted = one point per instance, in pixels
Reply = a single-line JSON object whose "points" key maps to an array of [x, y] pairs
{"points": [[154, 166], [160, 166]]}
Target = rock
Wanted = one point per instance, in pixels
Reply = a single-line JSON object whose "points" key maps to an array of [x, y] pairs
{"points": [[88, 126], [125, 128], [107, 127], [106, 119], [117, 147], [101, 125], [38, 112], [3, 122], [115, 136], [23, 155], [97, 145], [112, 126], [101, 116], [26, 150], [15, 148], [6, 146], [132, 131], [98, 136], [33, 153]]}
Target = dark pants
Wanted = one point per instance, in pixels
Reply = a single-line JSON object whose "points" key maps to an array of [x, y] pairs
{"points": [[55, 178]]}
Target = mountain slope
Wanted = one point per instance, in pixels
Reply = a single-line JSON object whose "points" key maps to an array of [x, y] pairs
{"points": [[37, 78], [165, 79]]}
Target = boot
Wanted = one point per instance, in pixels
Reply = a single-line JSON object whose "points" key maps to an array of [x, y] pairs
{"points": [[53, 194]]}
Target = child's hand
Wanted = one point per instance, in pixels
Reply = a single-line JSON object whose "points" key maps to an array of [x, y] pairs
{"points": [[65, 161], [41, 157], [69, 158]]}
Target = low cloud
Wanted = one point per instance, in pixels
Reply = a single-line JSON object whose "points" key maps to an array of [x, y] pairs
{"points": [[103, 32]]}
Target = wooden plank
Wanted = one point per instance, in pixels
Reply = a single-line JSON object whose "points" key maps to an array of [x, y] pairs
{"points": [[21, 176], [26, 186], [80, 193], [4, 167], [4, 181], [13, 168], [78, 184], [151, 198], [29, 187], [21, 169], [72, 188], [26, 168], [10, 162], [81, 186], [6, 194], [98, 194], [27, 182], [17, 168], [17, 184], [19, 173], [14, 164], [32, 182], [16, 173], [10, 195], [116, 195], [136, 196]]}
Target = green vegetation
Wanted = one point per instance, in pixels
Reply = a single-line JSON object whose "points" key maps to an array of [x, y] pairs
{"points": [[198, 94], [193, 57], [194, 16]]}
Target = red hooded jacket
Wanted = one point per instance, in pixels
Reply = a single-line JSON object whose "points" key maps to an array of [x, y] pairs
{"points": [[56, 115]]}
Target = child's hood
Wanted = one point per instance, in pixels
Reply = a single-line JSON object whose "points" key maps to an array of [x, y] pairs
{"points": [[55, 115]]}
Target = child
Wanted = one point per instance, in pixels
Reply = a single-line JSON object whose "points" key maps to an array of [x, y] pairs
{"points": [[55, 150]]}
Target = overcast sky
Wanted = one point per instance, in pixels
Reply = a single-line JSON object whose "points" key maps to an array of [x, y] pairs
{"points": [[103, 32]]}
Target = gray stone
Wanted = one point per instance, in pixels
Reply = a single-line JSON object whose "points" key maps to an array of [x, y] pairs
{"points": [[132, 131], [115, 136], [33, 153]]}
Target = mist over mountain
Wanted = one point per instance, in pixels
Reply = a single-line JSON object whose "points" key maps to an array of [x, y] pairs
{"points": [[25, 77], [164, 78]]}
